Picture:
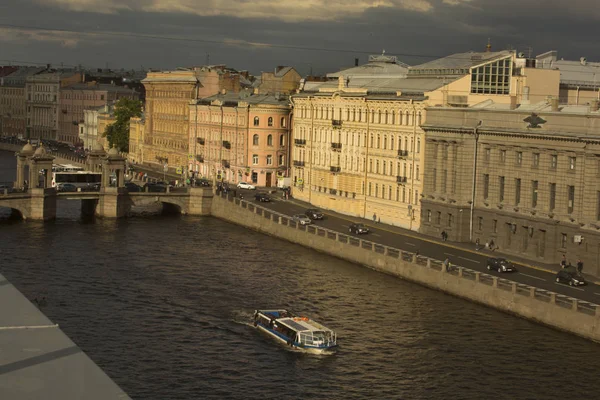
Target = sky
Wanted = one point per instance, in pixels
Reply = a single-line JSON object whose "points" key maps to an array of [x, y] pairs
{"points": [[314, 36]]}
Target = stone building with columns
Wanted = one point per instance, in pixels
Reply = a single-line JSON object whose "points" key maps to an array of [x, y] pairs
{"points": [[531, 174]]}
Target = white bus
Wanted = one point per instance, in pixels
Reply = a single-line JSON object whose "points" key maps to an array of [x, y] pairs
{"points": [[81, 179], [65, 168]]}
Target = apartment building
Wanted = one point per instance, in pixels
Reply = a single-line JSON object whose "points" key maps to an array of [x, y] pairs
{"points": [[13, 108]]}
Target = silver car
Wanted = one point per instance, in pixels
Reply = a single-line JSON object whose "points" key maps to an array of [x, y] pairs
{"points": [[301, 218]]}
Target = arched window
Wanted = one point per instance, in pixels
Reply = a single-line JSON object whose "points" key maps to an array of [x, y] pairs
{"points": [[384, 142], [378, 141], [270, 140], [269, 160], [392, 142], [282, 140], [283, 122], [270, 121], [255, 140], [256, 121]]}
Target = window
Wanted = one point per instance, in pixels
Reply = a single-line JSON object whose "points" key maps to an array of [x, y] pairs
{"points": [[488, 154], [536, 160], [563, 240], [450, 220], [571, 163], [502, 155], [429, 214], [534, 194], [552, 198], [480, 223], [269, 160], [282, 140], [486, 185], [270, 121], [553, 161], [570, 199], [270, 140], [255, 159], [517, 191], [418, 145], [495, 226], [597, 206], [492, 78], [501, 187], [444, 178], [445, 152], [519, 157], [255, 140], [434, 179], [283, 123], [416, 173], [256, 121], [101, 97], [439, 218]]}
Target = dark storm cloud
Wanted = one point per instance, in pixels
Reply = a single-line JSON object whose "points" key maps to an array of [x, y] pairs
{"points": [[415, 34]]}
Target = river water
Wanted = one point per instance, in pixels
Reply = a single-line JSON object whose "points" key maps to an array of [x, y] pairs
{"points": [[163, 305]]}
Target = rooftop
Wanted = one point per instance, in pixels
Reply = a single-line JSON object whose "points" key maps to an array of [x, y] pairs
{"points": [[462, 60], [99, 87], [578, 73], [233, 99], [378, 65]]}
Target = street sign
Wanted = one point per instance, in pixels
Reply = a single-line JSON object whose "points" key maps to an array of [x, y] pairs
{"points": [[179, 170]]}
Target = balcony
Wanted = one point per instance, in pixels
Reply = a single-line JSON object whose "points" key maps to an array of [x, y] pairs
{"points": [[226, 144], [401, 179], [200, 140], [336, 146], [299, 164], [200, 159], [300, 142], [335, 169], [402, 153], [336, 123], [225, 163]]}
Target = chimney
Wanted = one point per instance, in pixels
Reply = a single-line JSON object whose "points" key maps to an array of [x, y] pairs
{"points": [[554, 104], [594, 105], [583, 60], [356, 62]]}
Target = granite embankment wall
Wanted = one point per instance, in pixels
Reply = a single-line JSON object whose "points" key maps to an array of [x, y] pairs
{"points": [[549, 308]]}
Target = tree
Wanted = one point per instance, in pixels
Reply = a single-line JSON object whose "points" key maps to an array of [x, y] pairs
{"points": [[117, 133]]}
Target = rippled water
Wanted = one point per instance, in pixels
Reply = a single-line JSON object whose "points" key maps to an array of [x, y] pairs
{"points": [[163, 305]]}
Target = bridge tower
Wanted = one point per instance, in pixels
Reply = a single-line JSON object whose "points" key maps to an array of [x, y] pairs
{"points": [[94, 159], [113, 201]]}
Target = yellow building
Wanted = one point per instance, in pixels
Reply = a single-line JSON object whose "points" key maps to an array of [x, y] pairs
{"points": [[136, 140], [105, 118], [358, 142]]}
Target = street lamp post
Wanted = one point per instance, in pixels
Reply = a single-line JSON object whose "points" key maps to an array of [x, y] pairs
{"points": [[473, 187]]}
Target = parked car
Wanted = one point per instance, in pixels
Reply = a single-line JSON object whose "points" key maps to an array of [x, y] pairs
{"points": [[245, 185], [155, 187], [571, 276], [500, 264], [132, 187], [262, 197], [358, 228], [203, 182], [66, 187], [6, 188], [313, 214], [302, 219]]}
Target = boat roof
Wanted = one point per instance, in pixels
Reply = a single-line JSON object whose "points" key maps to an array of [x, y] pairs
{"points": [[298, 324]]}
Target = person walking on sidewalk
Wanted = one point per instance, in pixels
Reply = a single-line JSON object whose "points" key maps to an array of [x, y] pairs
{"points": [[579, 266], [563, 263], [477, 244], [374, 218]]}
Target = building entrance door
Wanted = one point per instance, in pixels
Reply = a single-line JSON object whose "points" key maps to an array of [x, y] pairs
{"points": [[268, 180]]}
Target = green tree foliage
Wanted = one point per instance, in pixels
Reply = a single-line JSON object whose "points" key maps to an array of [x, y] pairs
{"points": [[117, 133]]}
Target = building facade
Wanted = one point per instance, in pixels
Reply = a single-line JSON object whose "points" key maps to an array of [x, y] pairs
{"points": [[43, 102], [136, 140], [13, 115], [240, 137], [283, 80], [532, 173]]}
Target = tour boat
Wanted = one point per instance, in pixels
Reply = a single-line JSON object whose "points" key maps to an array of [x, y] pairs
{"points": [[296, 331]]}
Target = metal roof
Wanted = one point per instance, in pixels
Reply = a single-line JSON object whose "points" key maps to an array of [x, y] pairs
{"points": [[462, 60], [232, 99], [385, 85], [373, 68]]}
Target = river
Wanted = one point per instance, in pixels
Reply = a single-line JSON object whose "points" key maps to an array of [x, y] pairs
{"points": [[163, 305]]}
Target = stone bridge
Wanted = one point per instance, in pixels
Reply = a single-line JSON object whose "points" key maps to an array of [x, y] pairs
{"points": [[40, 201]]}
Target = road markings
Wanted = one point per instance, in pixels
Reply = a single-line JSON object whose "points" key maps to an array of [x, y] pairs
{"points": [[533, 277], [448, 254], [572, 287], [374, 234], [597, 294], [469, 259], [410, 244]]}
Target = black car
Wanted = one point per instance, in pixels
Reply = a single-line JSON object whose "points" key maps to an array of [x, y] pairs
{"points": [[262, 197], [570, 275], [358, 228], [155, 187], [313, 214], [132, 187], [203, 182], [500, 264]]}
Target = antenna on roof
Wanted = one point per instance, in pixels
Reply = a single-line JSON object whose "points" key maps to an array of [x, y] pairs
{"points": [[488, 47], [207, 59], [383, 52]]}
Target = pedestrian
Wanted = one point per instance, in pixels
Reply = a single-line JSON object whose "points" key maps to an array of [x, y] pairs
{"points": [[579, 266], [487, 245], [563, 262], [374, 217], [444, 236], [477, 244], [491, 244]]}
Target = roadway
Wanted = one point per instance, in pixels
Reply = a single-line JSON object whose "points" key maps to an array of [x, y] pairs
{"points": [[458, 254]]}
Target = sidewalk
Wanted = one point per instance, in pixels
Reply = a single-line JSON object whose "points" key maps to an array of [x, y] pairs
{"points": [[467, 247]]}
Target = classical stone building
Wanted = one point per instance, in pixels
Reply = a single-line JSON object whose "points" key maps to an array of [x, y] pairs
{"points": [[13, 115], [104, 117], [137, 128], [240, 137], [532, 172], [76, 99], [43, 102]]}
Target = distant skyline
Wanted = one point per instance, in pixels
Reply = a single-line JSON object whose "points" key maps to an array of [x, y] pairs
{"points": [[315, 35]]}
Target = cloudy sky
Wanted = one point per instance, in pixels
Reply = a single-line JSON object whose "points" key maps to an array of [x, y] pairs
{"points": [[318, 35]]}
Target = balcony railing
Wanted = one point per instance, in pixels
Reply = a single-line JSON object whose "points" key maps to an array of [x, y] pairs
{"points": [[402, 153], [225, 163], [226, 144], [335, 169], [336, 146], [336, 123], [299, 164], [299, 142], [200, 140], [401, 179], [200, 158]]}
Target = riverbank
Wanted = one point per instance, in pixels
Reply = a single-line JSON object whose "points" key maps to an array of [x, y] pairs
{"points": [[38, 361], [551, 309]]}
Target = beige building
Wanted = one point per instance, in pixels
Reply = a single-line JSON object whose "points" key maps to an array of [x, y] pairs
{"points": [[358, 143], [105, 117], [136, 140], [284, 80], [43, 102], [532, 172], [239, 137], [13, 115]]}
